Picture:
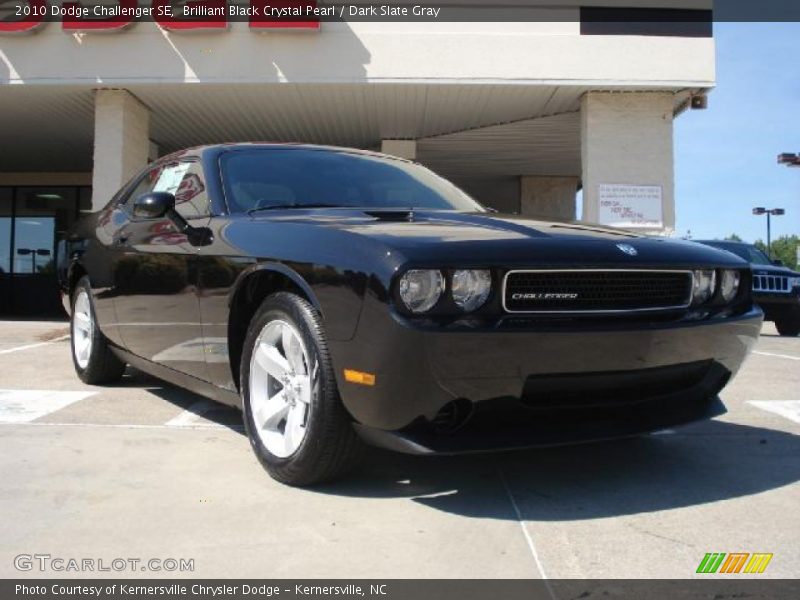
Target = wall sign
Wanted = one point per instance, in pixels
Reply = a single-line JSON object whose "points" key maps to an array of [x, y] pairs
{"points": [[630, 206]]}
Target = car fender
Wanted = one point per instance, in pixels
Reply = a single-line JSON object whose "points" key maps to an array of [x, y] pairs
{"points": [[274, 267]]}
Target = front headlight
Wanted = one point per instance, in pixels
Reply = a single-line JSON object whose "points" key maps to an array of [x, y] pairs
{"points": [[471, 288], [421, 289], [704, 283], [729, 284]]}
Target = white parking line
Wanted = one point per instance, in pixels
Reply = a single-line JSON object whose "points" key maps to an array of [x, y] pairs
{"points": [[23, 406], [789, 409], [787, 356], [126, 426], [38, 345], [193, 416], [528, 538]]}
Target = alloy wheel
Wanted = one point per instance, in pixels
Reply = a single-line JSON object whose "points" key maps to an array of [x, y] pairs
{"points": [[280, 388], [82, 329]]}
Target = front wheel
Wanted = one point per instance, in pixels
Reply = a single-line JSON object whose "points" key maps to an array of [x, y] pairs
{"points": [[94, 362], [297, 425], [788, 326]]}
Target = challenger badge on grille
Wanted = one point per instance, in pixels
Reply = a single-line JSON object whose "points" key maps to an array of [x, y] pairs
{"points": [[554, 296], [595, 290]]}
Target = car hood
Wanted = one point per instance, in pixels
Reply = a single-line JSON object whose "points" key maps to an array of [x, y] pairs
{"points": [[773, 270], [448, 237]]}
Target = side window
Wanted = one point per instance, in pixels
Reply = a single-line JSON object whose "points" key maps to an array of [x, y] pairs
{"points": [[184, 180], [191, 198], [145, 185]]}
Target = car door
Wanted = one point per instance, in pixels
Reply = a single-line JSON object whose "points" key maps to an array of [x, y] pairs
{"points": [[156, 273], [219, 266]]}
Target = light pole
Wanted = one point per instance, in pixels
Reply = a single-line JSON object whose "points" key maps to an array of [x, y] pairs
{"points": [[33, 253], [29, 252], [760, 210], [790, 159]]}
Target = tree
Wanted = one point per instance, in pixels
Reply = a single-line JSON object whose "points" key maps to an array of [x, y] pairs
{"points": [[732, 238], [784, 249]]}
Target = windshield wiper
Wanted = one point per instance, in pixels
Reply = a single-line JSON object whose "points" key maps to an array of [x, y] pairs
{"points": [[286, 206]]}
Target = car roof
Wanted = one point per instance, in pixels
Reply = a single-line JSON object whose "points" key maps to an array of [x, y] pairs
{"points": [[197, 151]]}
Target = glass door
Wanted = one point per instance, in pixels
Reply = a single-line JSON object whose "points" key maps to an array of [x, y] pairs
{"points": [[33, 245], [6, 213], [41, 216]]}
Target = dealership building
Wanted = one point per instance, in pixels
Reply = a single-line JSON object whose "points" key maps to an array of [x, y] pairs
{"points": [[523, 115]]}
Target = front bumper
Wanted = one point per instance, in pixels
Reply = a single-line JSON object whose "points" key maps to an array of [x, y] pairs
{"points": [[510, 429], [776, 306], [537, 383]]}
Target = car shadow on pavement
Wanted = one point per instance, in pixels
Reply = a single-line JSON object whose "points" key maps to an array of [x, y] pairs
{"points": [[697, 464], [700, 464], [210, 412]]}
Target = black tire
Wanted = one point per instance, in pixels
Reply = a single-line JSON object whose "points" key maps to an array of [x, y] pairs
{"points": [[788, 326], [330, 446], [102, 365]]}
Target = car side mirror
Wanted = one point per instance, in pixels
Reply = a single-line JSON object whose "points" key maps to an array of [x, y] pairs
{"points": [[153, 205], [159, 205], [777, 262]]}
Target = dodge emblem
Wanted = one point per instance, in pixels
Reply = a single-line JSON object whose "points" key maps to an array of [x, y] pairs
{"points": [[628, 249]]}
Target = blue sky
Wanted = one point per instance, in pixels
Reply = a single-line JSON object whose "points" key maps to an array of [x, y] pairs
{"points": [[725, 156]]}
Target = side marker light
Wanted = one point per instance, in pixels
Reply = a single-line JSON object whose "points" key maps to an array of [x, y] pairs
{"points": [[359, 377]]}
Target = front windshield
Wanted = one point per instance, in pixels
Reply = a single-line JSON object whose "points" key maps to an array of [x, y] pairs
{"points": [[750, 253], [757, 257], [261, 179]]}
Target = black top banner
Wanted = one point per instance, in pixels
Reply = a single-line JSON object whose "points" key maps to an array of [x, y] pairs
{"points": [[610, 16]]}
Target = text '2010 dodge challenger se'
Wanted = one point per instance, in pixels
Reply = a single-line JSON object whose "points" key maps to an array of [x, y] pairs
{"points": [[341, 297]]}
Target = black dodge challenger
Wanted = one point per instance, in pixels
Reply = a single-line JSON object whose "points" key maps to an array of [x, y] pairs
{"points": [[341, 297]]}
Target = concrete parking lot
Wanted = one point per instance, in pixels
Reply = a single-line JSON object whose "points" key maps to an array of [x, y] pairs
{"points": [[147, 470]]}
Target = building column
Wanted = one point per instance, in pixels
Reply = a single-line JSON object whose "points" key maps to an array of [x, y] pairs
{"points": [[402, 148], [121, 142], [549, 197], [627, 159]]}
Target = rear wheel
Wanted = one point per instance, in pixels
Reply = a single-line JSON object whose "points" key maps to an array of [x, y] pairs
{"points": [[94, 362], [788, 326], [297, 425]]}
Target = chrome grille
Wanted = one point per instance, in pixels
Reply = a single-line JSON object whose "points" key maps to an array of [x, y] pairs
{"points": [[771, 283], [595, 291]]}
